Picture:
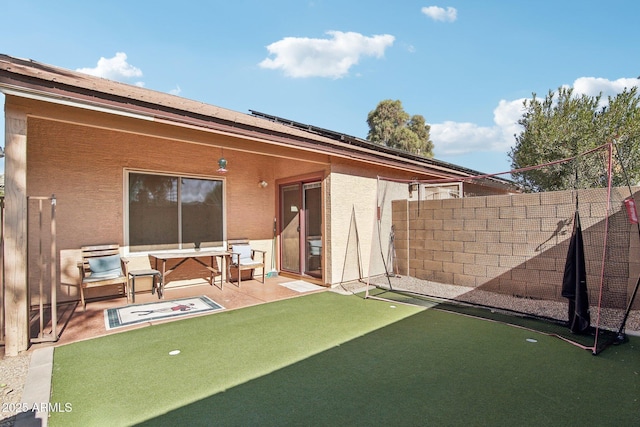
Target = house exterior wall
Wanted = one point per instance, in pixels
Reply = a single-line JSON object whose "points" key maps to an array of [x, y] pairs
{"points": [[72, 138], [81, 156], [82, 159], [352, 208], [516, 244]]}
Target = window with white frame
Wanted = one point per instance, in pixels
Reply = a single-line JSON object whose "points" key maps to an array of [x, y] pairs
{"points": [[174, 212], [442, 191]]}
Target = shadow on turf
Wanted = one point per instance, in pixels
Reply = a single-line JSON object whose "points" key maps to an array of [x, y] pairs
{"points": [[432, 368], [546, 326]]}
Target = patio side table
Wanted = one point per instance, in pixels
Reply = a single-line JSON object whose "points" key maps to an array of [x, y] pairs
{"points": [[154, 274]]}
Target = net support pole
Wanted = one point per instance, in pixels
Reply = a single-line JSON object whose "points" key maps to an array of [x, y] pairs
{"points": [[353, 226], [604, 252], [620, 336]]}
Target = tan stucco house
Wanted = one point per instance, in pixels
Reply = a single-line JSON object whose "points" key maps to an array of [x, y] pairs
{"points": [[114, 155]]}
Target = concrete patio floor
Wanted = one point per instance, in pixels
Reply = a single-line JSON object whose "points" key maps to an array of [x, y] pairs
{"points": [[76, 324]]}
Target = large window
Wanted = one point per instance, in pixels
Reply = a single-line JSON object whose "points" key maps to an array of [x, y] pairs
{"points": [[174, 212]]}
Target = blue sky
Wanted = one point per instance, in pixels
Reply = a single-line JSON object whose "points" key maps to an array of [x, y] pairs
{"points": [[466, 66]]}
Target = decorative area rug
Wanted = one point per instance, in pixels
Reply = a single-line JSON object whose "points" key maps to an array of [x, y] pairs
{"points": [[302, 286], [140, 313]]}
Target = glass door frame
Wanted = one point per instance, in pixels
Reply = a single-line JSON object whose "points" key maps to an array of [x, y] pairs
{"points": [[303, 258]]}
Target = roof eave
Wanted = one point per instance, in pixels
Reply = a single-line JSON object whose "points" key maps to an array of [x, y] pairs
{"points": [[33, 80]]}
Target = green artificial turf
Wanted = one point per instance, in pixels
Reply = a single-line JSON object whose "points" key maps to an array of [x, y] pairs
{"points": [[541, 325], [125, 378], [332, 360]]}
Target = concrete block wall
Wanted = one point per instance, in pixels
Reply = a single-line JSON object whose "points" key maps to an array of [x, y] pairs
{"points": [[516, 244]]}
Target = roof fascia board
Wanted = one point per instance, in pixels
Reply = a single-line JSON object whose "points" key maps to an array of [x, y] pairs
{"points": [[356, 153], [71, 102], [30, 86]]}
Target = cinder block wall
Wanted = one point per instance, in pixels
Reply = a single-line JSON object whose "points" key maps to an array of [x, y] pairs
{"points": [[516, 244]]}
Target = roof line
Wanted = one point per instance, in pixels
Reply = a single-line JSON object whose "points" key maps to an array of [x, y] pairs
{"points": [[353, 140], [66, 85]]}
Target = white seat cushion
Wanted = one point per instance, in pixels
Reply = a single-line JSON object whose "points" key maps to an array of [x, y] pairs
{"points": [[245, 254]]}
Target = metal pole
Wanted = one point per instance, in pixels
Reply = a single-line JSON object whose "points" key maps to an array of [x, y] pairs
{"points": [[53, 266]]}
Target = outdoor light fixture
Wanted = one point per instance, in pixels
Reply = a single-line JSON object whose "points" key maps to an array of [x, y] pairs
{"points": [[222, 165], [263, 184]]}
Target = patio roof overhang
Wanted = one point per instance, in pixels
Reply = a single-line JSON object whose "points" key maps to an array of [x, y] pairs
{"points": [[41, 82]]}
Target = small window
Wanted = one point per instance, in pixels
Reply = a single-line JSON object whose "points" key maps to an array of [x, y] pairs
{"points": [[174, 212]]}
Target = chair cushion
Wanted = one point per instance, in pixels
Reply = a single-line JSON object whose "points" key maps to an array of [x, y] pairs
{"points": [[245, 253], [105, 267]]}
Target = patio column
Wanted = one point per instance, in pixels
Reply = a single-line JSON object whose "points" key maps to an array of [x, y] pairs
{"points": [[16, 297]]}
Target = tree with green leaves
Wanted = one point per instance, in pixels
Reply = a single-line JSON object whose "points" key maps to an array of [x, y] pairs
{"points": [[390, 125], [563, 126]]}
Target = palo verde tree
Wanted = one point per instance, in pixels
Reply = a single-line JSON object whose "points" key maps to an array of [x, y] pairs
{"points": [[563, 126], [390, 125]]}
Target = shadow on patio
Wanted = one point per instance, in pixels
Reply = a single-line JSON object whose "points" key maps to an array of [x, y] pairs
{"points": [[74, 324]]}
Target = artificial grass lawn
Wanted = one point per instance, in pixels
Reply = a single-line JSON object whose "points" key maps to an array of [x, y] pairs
{"points": [[326, 359], [125, 378], [550, 327]]}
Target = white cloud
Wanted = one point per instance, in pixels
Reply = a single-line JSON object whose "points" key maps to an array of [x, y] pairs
{"points": [[592, 86], [453, 138], [333, 57], [175, 91], [115, 68], [450, 14], [457, 139], [506, 116]]}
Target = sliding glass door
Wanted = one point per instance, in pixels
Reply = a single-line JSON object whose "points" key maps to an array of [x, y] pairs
{"points": [[290, 228], [301, 228], [312, 202]]}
